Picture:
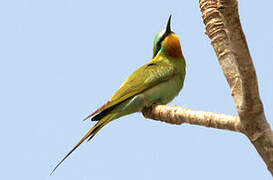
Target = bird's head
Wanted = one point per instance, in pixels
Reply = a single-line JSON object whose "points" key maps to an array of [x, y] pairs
{"points": [[167, 43]]}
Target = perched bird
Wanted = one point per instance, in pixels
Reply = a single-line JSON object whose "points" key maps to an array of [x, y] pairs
{"points": [[157, 82]]}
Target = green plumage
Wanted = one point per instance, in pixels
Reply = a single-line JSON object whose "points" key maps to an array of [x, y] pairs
{"points": [[159, 82]]}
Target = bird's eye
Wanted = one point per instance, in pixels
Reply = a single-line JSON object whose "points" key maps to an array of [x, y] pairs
{"points": [[158, 45]]}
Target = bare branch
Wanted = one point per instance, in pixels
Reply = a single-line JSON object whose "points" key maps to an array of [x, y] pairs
{"points": [[224, 29], [179, 115]]}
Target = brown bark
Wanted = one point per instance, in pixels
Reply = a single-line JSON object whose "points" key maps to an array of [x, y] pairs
{"points": [[179, 115], [223, 27]]}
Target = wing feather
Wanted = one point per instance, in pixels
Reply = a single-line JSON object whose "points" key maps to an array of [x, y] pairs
{"points": [[144, 78]]}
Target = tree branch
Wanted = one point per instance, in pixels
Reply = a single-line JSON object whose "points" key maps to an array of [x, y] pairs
{"points": [[223, 27], [179, 115]]}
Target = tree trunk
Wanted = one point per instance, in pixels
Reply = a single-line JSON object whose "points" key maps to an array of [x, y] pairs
{"points": [[224, 29]]}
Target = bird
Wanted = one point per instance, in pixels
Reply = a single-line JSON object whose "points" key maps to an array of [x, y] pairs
{"points": [[157, 82]]}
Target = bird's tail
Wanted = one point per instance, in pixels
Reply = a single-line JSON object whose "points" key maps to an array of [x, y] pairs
{"points": [[89, 135]]}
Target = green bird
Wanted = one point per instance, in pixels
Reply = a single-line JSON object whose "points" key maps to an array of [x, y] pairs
{"points": [[157, 82]]}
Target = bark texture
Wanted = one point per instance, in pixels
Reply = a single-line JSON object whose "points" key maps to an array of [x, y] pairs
{"points": [[223, 27], [178, 115]]}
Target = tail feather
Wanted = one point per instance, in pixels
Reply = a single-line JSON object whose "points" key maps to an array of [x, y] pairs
{"points": [[100, 115], [98, 128], [90, 134]]}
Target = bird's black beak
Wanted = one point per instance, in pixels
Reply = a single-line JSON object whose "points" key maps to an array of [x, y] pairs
{"points": [[168, 28]]}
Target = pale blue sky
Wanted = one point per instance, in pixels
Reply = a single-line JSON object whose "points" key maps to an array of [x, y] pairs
{"points": [[60, 60]]}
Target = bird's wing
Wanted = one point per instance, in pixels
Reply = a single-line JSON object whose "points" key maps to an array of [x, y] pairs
{"points": [[144, 78]]}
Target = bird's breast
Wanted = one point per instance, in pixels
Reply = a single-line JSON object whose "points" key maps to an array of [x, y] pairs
{"points": [[163, 92]]}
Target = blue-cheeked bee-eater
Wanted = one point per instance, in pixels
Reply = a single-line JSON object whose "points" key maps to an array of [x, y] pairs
{"points": [[157, 82]]}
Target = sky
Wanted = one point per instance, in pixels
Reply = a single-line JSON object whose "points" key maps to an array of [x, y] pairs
{"points": [[62, 59]]}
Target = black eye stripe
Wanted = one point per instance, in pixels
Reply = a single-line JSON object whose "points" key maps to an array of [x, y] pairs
{"points": [[158, 44]]}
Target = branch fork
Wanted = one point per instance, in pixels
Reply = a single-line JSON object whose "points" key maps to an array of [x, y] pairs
{"points": [[223, 27]]}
